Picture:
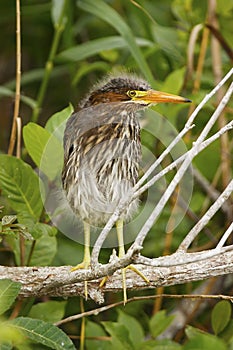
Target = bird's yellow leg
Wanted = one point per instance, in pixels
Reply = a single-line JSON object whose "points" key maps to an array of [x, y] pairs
{"points": [[120, 236], [87, 256], [121, 253]]}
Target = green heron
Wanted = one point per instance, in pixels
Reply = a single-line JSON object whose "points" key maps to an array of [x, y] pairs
{"points": [[102, 152]]}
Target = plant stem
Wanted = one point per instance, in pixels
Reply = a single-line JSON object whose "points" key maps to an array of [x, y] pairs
{"points": [[59, 27], [18, 80]]}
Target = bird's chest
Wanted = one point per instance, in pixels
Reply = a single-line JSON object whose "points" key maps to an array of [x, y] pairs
{"points": [[112, 154], [105, 168]]}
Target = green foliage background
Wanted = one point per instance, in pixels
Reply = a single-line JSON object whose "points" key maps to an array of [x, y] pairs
{"points": [[66, 47]]}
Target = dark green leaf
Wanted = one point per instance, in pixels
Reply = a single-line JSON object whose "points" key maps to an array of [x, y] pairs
{"points": [[96, 46], [95, 330], [8, 292], [40, 229], [20, 185], [120, 336], [227, 333], [199, 340], [5, 346], [27, 100], [159, 322], [134, 328], [44, 333], [164, 344], [49, 311], [89, 67], [102, 10], [174, 81], [167, 39], [44, 250], [220, 316]]}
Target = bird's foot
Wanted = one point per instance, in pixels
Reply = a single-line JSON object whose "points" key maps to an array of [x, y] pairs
{"points": [[123, 271], [139, 273], [134, 269], [85, 264]]}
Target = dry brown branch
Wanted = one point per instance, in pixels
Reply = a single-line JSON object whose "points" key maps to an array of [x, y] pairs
{"points": [[97, 311], [18, 80]]}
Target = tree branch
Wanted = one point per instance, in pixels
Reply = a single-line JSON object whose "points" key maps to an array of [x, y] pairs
{"points": [[60, 281]]}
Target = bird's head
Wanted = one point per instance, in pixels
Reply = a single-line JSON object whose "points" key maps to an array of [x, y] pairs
{"points": [[128, 88]]}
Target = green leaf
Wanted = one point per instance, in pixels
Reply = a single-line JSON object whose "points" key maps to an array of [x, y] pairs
{"points": [[134, 328], [227, 333], [45, 149], [20, 184], [102, 10], [163, 344], [35, 139], [98, 46], [5, 346], [40, 229], [224, 8], [159, 322], [168, 40], [220, 316], [8, 292], [44, 250], [120, 336], [44, 333], [57, 122], [173, 83], [199, 340], [89, 67], [95, 330], [10, 336], [50, 311]]}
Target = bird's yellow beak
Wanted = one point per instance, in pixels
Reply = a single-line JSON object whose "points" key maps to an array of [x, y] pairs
{"points": [[154, 97]]}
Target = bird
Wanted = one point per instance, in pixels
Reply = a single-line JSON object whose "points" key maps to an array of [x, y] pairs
{"points": [[102, 154]]}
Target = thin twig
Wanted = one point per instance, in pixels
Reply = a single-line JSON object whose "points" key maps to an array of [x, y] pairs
{"points": [[206, 218], [97, 311], [191, 47], [18, 80], [19, 133], [200, 65], [225, 236]]}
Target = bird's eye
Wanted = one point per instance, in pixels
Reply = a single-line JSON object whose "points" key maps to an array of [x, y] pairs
{"points": [[131, 93]]}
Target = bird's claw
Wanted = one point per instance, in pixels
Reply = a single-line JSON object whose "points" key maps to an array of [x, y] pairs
{"points": [[83, 265], [123, 271]]}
